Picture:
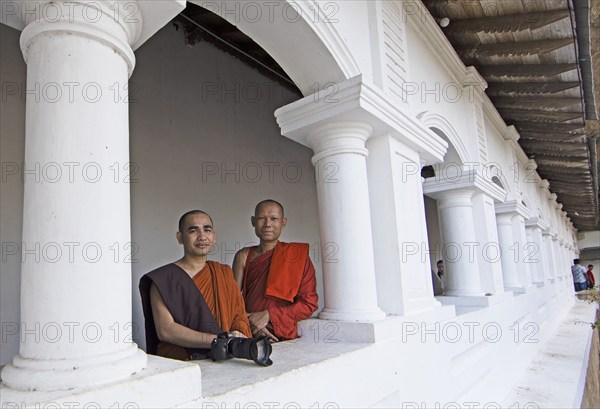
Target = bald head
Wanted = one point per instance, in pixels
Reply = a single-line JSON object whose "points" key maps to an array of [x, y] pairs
{"points": [[268, 202], [191, 212]]}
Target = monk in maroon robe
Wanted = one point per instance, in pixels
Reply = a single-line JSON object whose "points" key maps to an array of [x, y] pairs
{"points": [[188, 302], [277, 279]]}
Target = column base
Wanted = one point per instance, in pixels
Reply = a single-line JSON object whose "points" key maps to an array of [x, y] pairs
{"points": [[477, 301], [371, 315], [163, 383], [369, 332], [539, 284], [27, 374], [521, 290], [458, 293]]}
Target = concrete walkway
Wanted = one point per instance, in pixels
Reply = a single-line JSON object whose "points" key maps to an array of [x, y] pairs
{"points": [[556, 376]]}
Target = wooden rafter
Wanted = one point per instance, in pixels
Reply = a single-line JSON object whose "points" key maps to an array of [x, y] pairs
{"points": [[536, 103], [525, 70], [560, 146], [514, 48], [549, 136], [539, 116], [574, 129], [528, 88], [501, 24]]}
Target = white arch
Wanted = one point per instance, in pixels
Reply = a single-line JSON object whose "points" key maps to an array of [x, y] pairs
{"points": [[433, 120], [525, 201], [303, 43], [492, 171]]}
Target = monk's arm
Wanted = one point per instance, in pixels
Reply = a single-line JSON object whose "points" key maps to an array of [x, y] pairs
{"points": [[239, 262], [304, 305], [170, 331]]}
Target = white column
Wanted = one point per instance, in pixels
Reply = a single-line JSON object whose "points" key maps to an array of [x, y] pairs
{"points": [[557, 259], [549, 268], [534, 252], [488, 249], [459, 243], [402, 263], [75, 296], [564, 265], [522, 250], [506, 240], [349, 283]]}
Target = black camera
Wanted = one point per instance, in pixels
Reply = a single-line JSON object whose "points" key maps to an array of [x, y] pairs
{"points": [[226, 346]]}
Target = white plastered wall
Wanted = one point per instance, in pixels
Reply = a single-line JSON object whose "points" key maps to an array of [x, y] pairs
{"points": [[198, 146]]}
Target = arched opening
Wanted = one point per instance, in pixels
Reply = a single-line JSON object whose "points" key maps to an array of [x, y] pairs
{"points": [[203, 117], [450, 169]]}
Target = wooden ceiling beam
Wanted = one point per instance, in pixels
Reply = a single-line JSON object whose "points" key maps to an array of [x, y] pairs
{"points": [[502, 24], [514, 48], [558, 155], [556, 158], [557, 170], [573, 129], [539, 116], [525, 70], [536, 103], [528, 88], [548, 136], [559, 146]]}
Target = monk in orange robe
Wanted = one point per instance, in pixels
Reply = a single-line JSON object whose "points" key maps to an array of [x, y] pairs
{"points": [[188, 302], [277, 279]]}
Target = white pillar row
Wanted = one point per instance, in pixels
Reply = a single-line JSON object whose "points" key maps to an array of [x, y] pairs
{"points": [[75, 292], [506, 241], [455, 208], [471, 255], [566, 261], [550, 268], [557, 258], [537, 251], [349, 283], [337, 130], [523, 250], [488, 248], [516, 251], [402, 262], [76, 297]]}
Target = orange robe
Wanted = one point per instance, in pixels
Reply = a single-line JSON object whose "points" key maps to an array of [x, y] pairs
{"points": [[283, 282], [221, 294]]}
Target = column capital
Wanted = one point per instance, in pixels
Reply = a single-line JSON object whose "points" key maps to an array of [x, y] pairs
{"points": [[548, 231], [513, 206], [339, 137], [536, 222], [464, 179], [353, 100], [504, 218], [122, 24], [454, 198]]}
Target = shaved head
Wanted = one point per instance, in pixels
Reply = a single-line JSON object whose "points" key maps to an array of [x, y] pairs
{"points": [[185, 215], [268, 201]]}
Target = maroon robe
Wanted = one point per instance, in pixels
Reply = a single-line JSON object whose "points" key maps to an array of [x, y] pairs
{"points": [[283, 282]]}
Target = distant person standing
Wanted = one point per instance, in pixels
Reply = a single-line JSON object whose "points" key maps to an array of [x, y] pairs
{"points": [[591, 281], [579, 275], [438, 279]]}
